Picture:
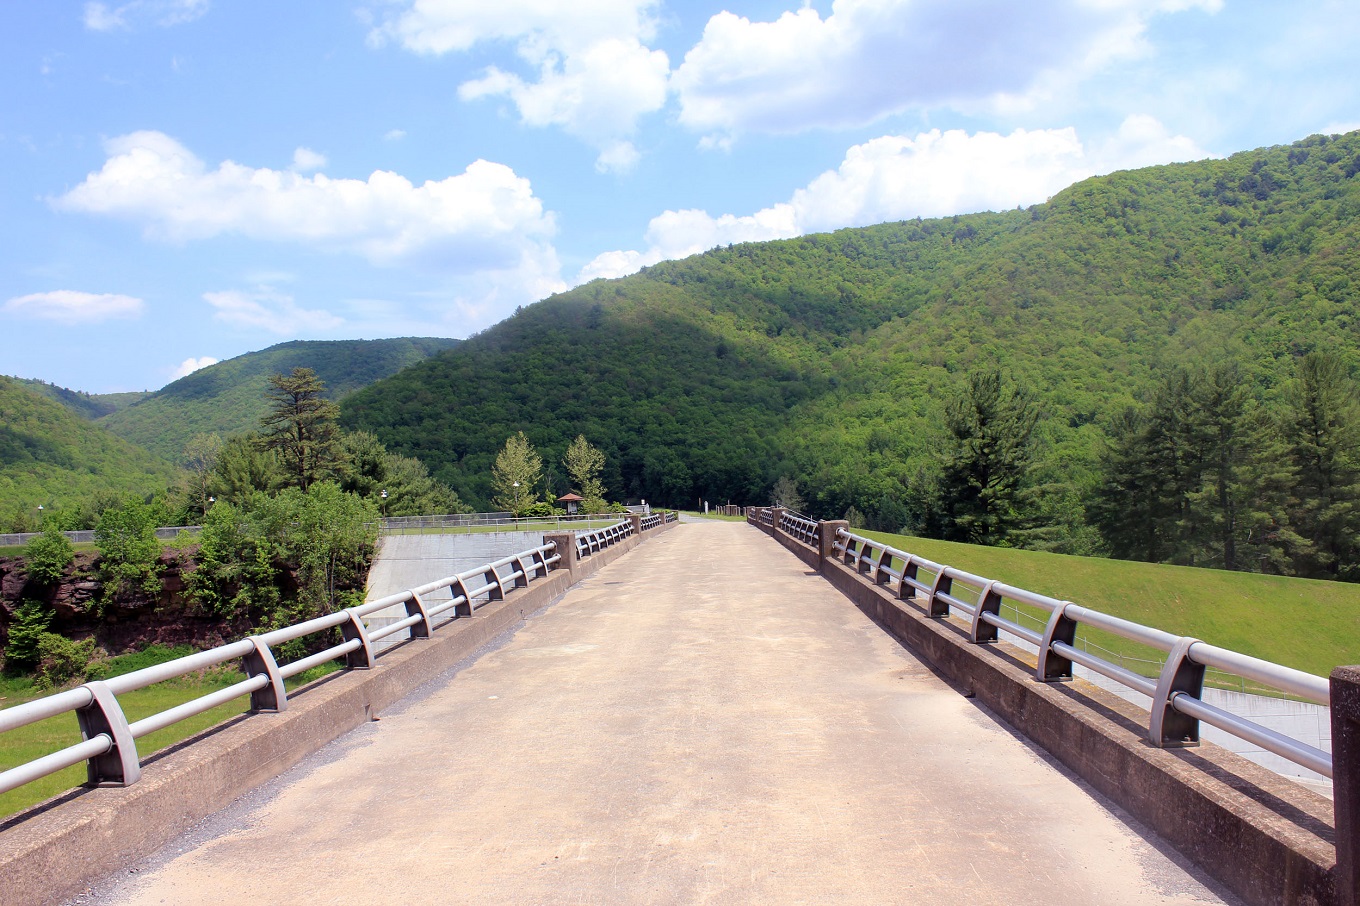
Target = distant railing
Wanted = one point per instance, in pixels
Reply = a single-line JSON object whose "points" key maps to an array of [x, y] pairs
{"points": [[408, 525], [1177, 707], [799, 526], [85, 536], [588, 543], [109, 747]]}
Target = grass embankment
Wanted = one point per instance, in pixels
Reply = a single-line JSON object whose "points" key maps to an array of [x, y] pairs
{"points": [[56, 733], [1303, 623]]}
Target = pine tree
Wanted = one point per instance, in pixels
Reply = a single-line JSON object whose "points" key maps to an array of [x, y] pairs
{"points": [[987, 461], [301, 426], [1321, 426]]}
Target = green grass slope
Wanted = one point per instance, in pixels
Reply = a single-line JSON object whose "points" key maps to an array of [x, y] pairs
{"points": [[1303, 623], [51, 456], [229, 397], [828, 357]]}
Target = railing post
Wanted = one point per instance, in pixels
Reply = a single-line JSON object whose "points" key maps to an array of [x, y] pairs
{"points": [[1345, 686], [273, 697], [104, 714], [826, 540], [1060, 628], [566, 549], [636, 519], [776, 513], [1168, 727]]}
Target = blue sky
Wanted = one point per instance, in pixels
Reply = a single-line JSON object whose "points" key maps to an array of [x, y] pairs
{"points": [[188, 180]]}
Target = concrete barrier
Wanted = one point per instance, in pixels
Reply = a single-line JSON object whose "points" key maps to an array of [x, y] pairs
{"points": [[1269, 840], [53, 850]]}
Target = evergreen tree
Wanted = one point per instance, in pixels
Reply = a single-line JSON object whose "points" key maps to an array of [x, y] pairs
{"points": [[986, 460], [1321, 426], [1239, 519], [301, 426]]}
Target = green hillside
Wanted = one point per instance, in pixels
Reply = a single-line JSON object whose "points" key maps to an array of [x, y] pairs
{"points": [[229, 397], [87, 405], [828, 357], [52, 457]]}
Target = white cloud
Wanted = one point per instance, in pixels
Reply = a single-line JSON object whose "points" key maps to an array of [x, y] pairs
{"points": [[305, 160], [102, 17], [269, 310], [485, 220], [394, 135], [896, 177], [190, 365], [68, 306], [871, 58], [590, 71]]}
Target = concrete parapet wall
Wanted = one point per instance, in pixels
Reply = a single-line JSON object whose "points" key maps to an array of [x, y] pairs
{"points": [[1269, 840], [52, 851]]}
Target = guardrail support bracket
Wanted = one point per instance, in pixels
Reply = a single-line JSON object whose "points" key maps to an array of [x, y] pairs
{"points": [[361, 659], [937, 606], [118, 766], [981, 632], [1052, 667], [1169, 728], [416, 607], [273, 697]]}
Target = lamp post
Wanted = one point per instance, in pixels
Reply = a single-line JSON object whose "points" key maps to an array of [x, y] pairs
{"points": [[382, 507]]}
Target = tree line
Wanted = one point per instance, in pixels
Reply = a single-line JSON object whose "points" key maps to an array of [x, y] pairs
{"points": [[1209, 472]]}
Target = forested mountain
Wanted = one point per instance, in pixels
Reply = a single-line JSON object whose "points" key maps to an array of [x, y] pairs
{"points": [[229, 397], [88, 405], [829, 358], [50, 456]]}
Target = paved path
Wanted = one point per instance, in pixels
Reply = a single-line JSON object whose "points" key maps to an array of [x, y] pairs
{"points": [[701, 722]]}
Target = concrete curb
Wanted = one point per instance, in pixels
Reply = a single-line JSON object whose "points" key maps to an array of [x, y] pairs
{"points": [[54, 850], [1269, 840]]}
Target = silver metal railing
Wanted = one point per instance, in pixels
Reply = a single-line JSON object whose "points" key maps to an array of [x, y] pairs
{"points": [[588, 543], [799, 526], [453, 523], [1177, 708], [109, 747]]}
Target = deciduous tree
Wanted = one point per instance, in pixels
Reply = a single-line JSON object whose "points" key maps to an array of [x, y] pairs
{"points": [[516, 475], [584, 463]]}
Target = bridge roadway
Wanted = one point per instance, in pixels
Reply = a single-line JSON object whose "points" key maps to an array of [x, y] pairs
{"points": [[703, 721]]}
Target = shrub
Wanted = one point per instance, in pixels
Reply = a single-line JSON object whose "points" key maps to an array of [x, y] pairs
{"points": [[48, 555], [61, 660], [31, 619], [129, 554]]}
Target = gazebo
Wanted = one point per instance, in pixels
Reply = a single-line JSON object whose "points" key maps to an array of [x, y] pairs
{"points": [[571, 502]]}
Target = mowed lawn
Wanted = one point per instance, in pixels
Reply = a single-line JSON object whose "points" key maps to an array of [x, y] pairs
{"points": [[1303, 623], [55, 733]]}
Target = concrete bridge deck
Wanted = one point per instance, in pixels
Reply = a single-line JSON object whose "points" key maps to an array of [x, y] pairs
{"points": [[682, 727]]}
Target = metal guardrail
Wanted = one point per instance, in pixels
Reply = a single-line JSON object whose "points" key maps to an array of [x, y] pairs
{"points": [[799, 526], [399, 525], [86, 536], [1177, 708], [109, 747], [588, 543]]}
